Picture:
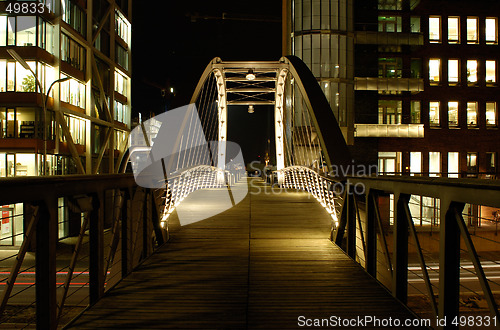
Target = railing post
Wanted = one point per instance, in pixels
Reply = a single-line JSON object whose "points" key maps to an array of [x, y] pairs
{"points": [[371, 234], [155, 218], [146, 227], [449, 261], [126, 212], [400, 274], [46, 245], [351, 223], [96, 248]]}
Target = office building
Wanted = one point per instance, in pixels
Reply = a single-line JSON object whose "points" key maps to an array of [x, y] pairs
{"points": [[85, 46]]}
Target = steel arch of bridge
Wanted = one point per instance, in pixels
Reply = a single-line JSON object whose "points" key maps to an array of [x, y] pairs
{"points": [[268, 88]]}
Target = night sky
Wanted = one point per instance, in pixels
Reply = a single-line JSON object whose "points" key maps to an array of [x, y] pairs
{"points": [[173, 41]]}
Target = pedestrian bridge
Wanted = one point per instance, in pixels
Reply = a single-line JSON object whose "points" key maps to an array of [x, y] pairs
{"points": [[188, 241], [267, 263]]}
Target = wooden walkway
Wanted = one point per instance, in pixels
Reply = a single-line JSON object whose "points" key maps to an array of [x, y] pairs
{"points": [[259, 265]]}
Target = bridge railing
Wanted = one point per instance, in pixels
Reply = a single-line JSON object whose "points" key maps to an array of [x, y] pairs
{"points": [[67, 240], [433, 242], [324, 189], [193, 179]]}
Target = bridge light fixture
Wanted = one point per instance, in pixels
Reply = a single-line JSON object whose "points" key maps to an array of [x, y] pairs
{"points": [[250, 109], [250, 75]]}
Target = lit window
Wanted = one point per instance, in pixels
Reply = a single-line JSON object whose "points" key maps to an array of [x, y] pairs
{"points": [[472, 30], [434, 70], [415, 163], [389, 111], [453, 30], [434, 113], [453, 71], [472, 71], [491, 75], [73, 92], [390, 67], [453, 114], [435, 29], [491, 31], [471, 114], [453, 164], [389, 23], [491, 114], [415, 112], [491, 162], [472, 163], [434, 163], [415, 24]]}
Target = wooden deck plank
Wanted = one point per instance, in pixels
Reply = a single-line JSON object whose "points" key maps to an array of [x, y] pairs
{"points": [[259, 265]]}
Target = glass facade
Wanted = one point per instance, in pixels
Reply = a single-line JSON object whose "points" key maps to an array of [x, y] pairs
{"points": [[72, 52], [26, 31], [322, 37], [74, 16]]}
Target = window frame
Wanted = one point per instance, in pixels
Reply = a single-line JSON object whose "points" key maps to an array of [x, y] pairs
{"points": [[434, 81], [476, 106], [436, 124], [439, 32], [469, 81], [450, 81], [476, 40], [491, 82], [454, 124], [495, 115], [495, 40], [457, 40]]}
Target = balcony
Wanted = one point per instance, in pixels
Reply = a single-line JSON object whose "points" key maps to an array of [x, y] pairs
{"points": [[389, 130], [389, 38], [389, 84]]}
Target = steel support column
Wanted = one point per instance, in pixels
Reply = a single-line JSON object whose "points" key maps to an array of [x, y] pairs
{"points": [[449, 260], [400, 254], [46, 245], [96, 248], [371, 234]]}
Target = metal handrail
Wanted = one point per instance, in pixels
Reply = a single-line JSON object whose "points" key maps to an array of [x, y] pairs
{"points": [[134, 224]]}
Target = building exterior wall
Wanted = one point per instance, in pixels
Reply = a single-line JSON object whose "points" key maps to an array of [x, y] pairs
{"points": [[87, 118], [403, 78], [321, 34], [88, 41]]}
